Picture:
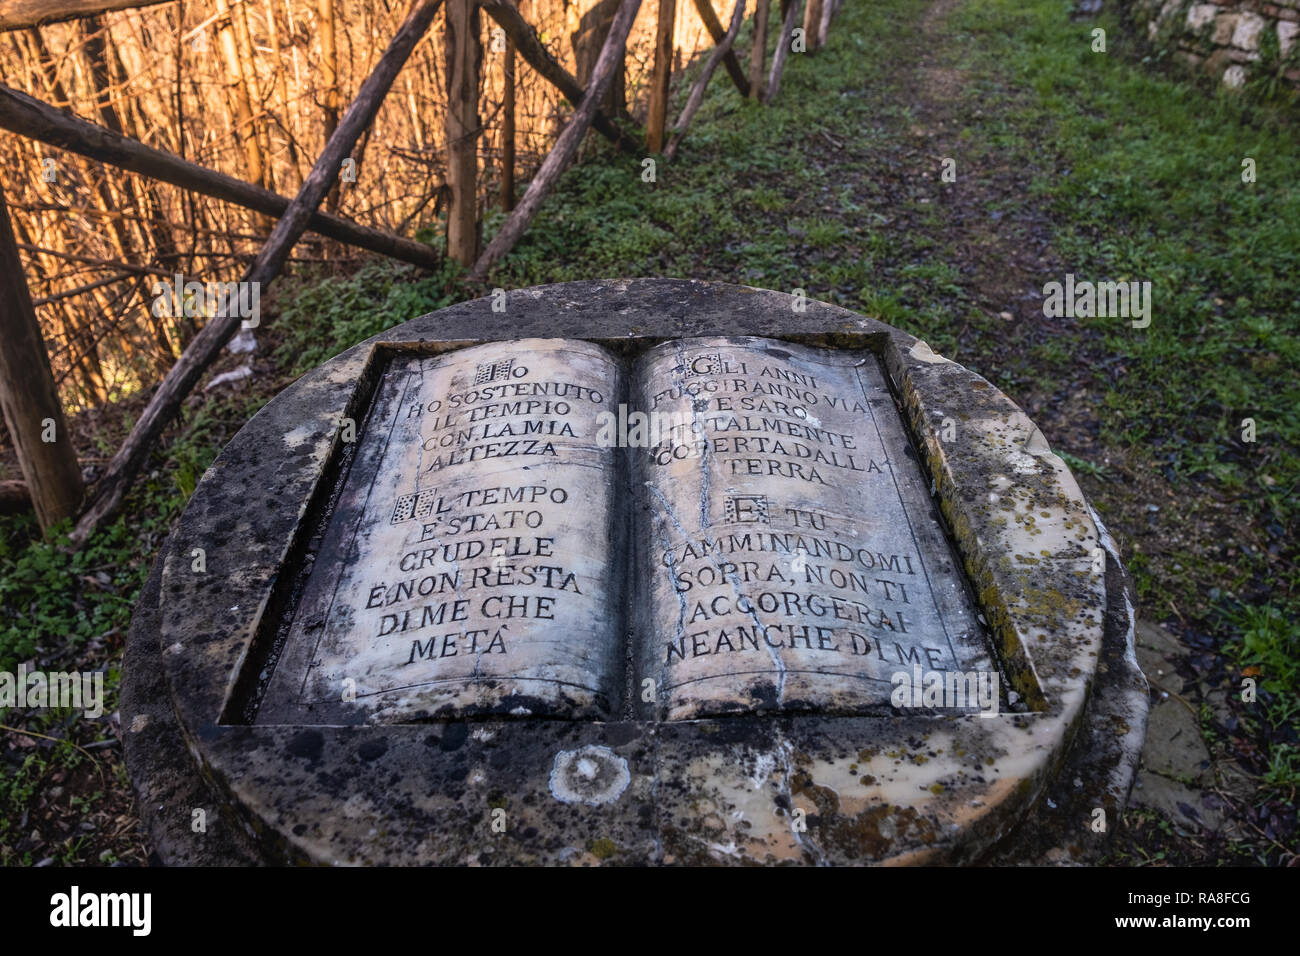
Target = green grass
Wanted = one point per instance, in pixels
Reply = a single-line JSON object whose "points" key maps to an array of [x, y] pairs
{"points": [[1148, 186], [321, 317], [17, 788], [1081, 466], [1265, 647], [57, 598], [1143, 180], [69, 610], [1270, 642]]}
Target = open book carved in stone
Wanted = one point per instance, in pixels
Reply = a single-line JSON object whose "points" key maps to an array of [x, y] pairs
{"points": [[547, 528]]}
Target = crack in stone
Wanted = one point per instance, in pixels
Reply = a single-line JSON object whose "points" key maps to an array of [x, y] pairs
{"points": [[783, 749], [680, 628]]}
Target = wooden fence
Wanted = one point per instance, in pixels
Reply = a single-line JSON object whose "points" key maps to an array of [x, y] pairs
{"points": [[33, 413]]}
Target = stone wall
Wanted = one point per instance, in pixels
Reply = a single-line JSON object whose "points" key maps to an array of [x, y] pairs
{"points": [[1232, 40]]}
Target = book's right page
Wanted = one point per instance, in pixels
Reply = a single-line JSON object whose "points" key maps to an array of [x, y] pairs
{"points": [[789, 554]]}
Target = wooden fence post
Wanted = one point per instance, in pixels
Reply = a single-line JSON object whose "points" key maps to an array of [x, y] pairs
{"points": [[28, 398], [812, 25], [508, 130], [329, 64], [464, 56], [587, 42], [758, 52], [828, 13], [246, 128], [658, 116]]}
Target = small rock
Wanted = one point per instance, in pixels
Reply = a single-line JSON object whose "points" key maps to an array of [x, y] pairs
{"points": [[1176, 800], [1174, 746]]}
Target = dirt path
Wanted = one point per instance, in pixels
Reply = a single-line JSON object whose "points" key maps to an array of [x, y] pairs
{"points": [[1191, 797]]}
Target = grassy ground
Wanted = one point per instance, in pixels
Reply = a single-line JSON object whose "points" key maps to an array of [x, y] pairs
{"points": [[1067, 161]]}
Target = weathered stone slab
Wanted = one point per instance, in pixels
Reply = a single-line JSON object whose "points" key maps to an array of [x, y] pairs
{"points": [[793, 559], [470, 564], [445, 772]]}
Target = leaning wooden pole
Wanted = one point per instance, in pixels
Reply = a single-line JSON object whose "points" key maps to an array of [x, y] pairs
{"points": [[28, 397], [714, 26], [663, 74], [566, 146], [18, 14], [464, 55], [330, 98], [758, 51], [208, 343], [535, 54], [21, 114], [782, 51], [697, 92]]}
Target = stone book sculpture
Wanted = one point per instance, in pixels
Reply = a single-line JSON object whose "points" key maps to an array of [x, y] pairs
{"points": [[547, 528], [636, 571]]}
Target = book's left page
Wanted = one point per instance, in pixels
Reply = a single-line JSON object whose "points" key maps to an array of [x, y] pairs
{"points": [[473, 562]]}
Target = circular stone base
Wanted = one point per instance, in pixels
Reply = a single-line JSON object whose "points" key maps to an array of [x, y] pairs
{"points": [[1039, 786]]}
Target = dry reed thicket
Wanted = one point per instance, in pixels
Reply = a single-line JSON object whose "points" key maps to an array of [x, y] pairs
{"points": [[252, 89]]}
